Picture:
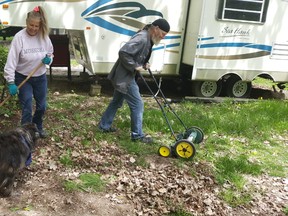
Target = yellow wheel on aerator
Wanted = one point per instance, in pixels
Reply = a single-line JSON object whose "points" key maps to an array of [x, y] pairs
{"points": [[185, 149], [164, 151]]}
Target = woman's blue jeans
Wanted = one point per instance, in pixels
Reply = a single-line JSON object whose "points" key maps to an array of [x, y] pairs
{"points": [[35, 87], [136, 105]]}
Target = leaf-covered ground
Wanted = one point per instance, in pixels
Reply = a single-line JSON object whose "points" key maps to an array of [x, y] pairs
{"points": [[160, 187]]}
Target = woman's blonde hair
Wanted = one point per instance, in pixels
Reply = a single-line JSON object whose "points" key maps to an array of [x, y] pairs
{"points": [[39, 13]]}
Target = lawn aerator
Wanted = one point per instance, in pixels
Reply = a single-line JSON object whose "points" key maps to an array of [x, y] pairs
{"points": [[183, 147]]}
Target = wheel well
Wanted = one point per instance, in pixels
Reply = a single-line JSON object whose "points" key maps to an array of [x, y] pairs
{"points": [[265, 76], [227, 76], [185, 71]]}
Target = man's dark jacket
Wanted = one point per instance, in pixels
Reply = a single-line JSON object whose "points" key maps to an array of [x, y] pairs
{"points": [[136, 52]]}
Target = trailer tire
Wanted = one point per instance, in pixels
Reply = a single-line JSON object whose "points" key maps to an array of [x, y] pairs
{"points": [[207, 89], [237, 88]]}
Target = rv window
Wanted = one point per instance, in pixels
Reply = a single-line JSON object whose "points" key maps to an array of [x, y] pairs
{"points": [[243, 10]]}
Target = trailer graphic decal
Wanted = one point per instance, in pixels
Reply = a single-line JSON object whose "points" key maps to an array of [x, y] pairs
{"points": [[6, 1], [262, 50], [125, 13]]}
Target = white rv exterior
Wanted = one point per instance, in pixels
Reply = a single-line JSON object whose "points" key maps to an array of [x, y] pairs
{"points": [[236, 42], [216, 44], [98, 28]]}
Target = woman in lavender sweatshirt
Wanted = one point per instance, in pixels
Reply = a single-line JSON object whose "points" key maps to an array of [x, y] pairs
{"points": [[29, 47]]}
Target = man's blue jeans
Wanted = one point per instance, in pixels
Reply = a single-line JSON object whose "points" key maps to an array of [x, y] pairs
{"points": [[135, 103], [35, 87]]}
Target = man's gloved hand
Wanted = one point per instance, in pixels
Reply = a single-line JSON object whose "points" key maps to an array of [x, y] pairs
{"points": [[12, 89], [46, 60], [140, 69], [146, 66]]}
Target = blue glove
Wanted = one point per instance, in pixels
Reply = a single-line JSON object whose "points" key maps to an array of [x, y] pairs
{"points": [[46, 60], [12, 89]]}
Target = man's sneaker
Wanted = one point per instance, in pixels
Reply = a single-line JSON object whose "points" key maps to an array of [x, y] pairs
{"points": [[109, 130], [144, 139], [43, 134]]}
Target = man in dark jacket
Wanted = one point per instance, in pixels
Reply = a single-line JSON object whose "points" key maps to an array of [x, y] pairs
{"points": [[133, 58]]}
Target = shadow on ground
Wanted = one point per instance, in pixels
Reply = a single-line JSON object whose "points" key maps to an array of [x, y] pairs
{"points": [[171, 88]]}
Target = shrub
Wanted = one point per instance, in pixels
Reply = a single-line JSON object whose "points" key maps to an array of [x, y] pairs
{"points": [[3, 57]]}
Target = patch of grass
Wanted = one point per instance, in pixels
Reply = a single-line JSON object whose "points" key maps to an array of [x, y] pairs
{"points": [[86, 142], [108, 137], [236, 197], [68, 102], [261, 82], [155, 121], [285, 210], [180, 213], [137, 148], [26, 208], [179, 210], [140, 161], [10, 107], [230, 170], [66, 159], [274, 169], [14, 209], [239, 119], [89, 182]]}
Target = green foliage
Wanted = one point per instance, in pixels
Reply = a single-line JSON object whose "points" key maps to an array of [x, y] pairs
{"points": [[244, 119], [137, 147], [285, 210], [180, 213], [66, 158], [11, 107], [263, 82], [179, 210], [25, 208], [3, 57], [86, 142], [236, 197], [86, 182], [230, 169]]}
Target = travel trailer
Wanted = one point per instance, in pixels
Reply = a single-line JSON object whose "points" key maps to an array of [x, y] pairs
{"points": [[214, 45]]}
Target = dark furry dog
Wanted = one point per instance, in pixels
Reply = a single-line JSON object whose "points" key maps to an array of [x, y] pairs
{"points": [[15, 153]]}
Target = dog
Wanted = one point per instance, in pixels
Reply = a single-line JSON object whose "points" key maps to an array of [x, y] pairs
{"points": [[15, 153]]}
